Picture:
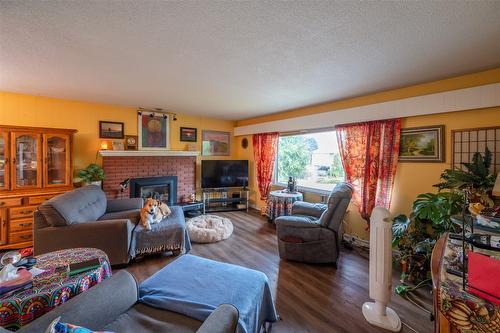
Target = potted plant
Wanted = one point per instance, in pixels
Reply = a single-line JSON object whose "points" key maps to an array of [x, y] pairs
{"points": [[415, 236], [476, 178], [93, 174]]}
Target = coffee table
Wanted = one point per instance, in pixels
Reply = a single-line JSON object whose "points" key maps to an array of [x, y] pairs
{"points": [[53, 287]]}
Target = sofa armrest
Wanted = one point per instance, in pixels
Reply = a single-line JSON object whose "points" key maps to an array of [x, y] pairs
{"points": [[307, 208], [119, 205], [224, 319], [111, 236], [95, 308]]}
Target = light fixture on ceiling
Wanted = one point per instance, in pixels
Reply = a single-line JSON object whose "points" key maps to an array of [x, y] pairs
{"points": [[153, 112]]}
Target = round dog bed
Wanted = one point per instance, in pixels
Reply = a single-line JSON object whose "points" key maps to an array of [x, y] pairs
{"points": [[209, 228]]}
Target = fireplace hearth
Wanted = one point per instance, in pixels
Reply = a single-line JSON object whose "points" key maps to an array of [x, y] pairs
{"points": [[166, 187]]}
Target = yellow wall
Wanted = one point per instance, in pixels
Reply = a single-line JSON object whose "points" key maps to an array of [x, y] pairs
{"points": [[411, 178], [28, 110]]}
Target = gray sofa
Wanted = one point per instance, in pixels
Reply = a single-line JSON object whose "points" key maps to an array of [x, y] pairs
{"points": [[314, 231], [85, 218], [112, 306]]}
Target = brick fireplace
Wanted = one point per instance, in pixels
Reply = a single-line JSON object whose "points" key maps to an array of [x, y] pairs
{"points": [[118, 167]]}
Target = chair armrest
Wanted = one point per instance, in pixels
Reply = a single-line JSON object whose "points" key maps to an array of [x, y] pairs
{"points": [[296, 222], [224, 319], [95, 308], [119, 205], [111, 236], [307, 208]]}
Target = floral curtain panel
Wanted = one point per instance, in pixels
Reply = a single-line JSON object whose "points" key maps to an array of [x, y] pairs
{"points": [[369, 154], [265, 147]]}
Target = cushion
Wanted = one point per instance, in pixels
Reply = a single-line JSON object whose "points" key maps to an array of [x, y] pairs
{"points": [[83, 204], [146, 319], [132, 214], [209, 228]]}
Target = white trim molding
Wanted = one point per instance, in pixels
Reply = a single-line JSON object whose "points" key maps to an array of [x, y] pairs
{"points": [[455, 100], [135, 153]]}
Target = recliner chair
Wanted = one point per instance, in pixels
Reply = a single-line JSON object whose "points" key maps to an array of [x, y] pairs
{"points": [[313, 232]]}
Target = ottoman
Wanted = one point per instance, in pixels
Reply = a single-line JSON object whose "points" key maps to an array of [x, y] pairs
{"points": [[168, 235], [195, 287]]}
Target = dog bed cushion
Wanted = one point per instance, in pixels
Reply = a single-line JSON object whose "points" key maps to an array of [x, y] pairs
{"points": [[209, 228]]}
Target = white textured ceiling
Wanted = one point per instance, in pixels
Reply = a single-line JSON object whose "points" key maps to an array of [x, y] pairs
{"points": [[237, 60]]}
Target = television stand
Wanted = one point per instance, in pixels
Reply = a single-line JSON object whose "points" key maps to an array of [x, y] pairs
{"points": [[225, 199]]}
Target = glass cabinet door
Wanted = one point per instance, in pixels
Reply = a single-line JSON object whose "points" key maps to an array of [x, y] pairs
{"points": [[57, 160], [26, 149], [4, 162]]}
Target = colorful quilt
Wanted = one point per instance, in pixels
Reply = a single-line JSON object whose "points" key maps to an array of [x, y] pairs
{"points": [[53, 287]]}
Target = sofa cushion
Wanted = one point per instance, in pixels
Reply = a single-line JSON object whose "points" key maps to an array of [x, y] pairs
{"points": [[145, 319], [337, 205], [132, 214], [83, 204]]}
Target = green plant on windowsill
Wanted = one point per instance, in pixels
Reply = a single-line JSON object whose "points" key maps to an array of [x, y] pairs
{"points": [[92, 173]]}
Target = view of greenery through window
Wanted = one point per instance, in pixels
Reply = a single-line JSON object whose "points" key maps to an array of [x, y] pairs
{"points": [[313, 159]]}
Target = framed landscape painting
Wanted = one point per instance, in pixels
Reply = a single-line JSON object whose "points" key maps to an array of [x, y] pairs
{"points": [[215, 143], [111, 130], [153, 130], [422, 144], [188, 134]]}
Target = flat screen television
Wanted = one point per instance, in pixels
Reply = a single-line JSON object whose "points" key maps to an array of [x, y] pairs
{"points": [[224, 173]]}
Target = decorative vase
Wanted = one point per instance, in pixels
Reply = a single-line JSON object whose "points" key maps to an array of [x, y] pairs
{"points": [[291, 185]]}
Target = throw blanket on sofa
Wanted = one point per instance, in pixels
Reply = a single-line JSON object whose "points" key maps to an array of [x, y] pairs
{"points": [[168, 235], [195, 286]]}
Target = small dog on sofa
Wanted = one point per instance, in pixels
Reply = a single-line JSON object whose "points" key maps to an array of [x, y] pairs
{"points": [[153, 212]]}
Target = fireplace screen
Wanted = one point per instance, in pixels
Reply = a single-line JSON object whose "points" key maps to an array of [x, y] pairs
{"points": [[165, 187], [162, 191]]}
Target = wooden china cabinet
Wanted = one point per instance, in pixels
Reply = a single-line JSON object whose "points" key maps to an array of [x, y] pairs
{"points": [[35, 165]]}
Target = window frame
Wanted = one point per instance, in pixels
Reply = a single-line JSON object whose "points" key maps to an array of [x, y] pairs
{"points": [[300, 188]]}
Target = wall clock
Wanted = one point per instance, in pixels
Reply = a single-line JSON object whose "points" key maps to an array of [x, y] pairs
{"points": [[131, 142]]}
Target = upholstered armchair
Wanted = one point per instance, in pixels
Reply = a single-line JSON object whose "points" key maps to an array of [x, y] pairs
{"points": [[314, 231]]}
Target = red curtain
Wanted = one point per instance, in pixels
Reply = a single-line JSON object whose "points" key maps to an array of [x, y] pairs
{"points": [[265, 147], [369, 154]]}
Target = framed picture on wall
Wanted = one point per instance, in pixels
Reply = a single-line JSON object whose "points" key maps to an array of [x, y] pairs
{"points": [[422, 144], [215, 143], [111, 130], [189, 134], [153, 130]]}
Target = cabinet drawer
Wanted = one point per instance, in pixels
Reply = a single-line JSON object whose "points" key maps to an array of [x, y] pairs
{"points": [[10, 202], [40, 199], [22, 212], [21, 225], [19, 237]]}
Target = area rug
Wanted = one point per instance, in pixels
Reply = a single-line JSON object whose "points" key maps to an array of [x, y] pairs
{"points": [[209, 228]]}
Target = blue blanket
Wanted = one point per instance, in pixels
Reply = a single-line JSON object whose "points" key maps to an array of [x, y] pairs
{"points": [[195, 286]]}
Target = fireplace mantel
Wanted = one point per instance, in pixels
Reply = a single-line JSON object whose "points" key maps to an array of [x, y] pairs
{"points": [[139, 153]]}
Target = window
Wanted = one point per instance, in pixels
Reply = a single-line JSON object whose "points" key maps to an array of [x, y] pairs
{"points": [[313, 159]]}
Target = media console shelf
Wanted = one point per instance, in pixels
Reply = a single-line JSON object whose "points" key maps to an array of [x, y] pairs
{"points": [[225, 199]]}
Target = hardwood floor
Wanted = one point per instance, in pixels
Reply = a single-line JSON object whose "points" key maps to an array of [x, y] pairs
{"points": [[309, 298]]}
